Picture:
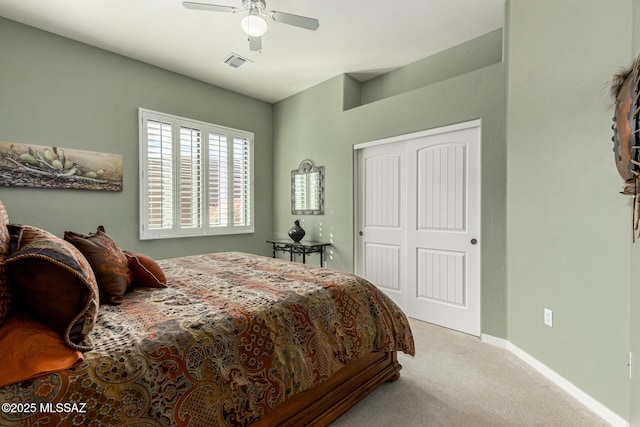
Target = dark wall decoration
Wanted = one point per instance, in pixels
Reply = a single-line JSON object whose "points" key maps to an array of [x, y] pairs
{"points": [[23, 165], [625, 91]]}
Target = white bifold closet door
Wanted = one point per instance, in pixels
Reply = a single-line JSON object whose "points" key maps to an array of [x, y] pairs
{"points": [[418, 223]]}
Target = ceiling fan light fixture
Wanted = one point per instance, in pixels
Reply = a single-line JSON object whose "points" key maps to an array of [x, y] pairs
{"points": [[254, 25]]}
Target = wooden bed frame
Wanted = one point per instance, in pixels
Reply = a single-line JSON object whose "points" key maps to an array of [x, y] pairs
{"points": [[324, 403]]}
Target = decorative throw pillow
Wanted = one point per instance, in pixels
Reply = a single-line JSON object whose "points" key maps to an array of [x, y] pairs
{"points": [[32, 349], [109, 263], [145, 271], [5, 289], [55, 283]]}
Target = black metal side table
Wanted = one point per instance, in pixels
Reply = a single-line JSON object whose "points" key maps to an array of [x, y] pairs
{"points": [[303, 247]]}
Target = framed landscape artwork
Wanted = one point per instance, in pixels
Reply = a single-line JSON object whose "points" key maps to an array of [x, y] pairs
{"points": [[28, 165]]}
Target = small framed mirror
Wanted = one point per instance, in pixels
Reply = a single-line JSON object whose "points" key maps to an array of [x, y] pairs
{"points": [[307, 189]]}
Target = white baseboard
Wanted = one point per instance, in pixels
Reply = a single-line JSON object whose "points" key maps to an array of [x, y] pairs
{"points": [[588, 401], [498, 342]]}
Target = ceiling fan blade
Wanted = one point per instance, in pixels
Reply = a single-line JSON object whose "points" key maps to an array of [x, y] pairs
{"points": [[255, 44], [211, 7], [296, 20]]}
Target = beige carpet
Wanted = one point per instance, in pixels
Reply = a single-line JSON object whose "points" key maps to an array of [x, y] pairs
{"points": [[457, 380]]}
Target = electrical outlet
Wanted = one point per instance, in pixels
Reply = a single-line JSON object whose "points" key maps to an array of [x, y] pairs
{"points": [[548, 317]]}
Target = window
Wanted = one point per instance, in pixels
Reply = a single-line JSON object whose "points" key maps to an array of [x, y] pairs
{"points": [[196, 178]]}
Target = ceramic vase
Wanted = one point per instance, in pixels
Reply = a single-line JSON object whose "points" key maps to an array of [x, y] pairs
{"points": [[296, 232]]}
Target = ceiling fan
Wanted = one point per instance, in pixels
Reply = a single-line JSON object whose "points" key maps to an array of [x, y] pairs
{"points": [[254, 24]]}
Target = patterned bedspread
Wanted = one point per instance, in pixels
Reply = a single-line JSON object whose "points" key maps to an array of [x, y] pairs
{"points": [[232, 336]]}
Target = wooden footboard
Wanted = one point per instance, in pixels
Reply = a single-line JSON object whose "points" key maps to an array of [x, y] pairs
{"points": [[323, 404]]}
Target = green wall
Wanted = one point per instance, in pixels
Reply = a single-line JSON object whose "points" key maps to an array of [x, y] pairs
{"points": [[483, 51], [314, 124], [55, 91], [568, 227]]}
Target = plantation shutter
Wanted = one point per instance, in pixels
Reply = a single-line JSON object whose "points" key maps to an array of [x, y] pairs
{"points": [[190, 178], [196, 178], [218, 182], [159, 169], [241, 182]]}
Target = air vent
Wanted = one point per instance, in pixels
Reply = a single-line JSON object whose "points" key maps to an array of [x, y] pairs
{"points": [[236, 61]]}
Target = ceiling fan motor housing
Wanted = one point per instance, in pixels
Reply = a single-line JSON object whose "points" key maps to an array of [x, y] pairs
{"points": [[254, 4]]}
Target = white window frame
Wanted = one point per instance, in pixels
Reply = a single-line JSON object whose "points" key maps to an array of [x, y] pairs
{"points": [[204, 228]]}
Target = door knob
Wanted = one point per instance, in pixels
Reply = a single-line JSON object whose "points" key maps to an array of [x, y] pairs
{"points": [[360, 233], [474, 241]]}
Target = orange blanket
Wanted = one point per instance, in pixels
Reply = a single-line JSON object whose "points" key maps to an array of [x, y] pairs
{"points": [[29, 349]]}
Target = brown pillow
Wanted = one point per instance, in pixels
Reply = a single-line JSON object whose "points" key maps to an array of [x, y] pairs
{"points": [[145, 271], [55, 283], [5, 289], [109, 263]]}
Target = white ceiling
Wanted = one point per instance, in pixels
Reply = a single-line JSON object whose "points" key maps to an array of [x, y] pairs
{"points": [[362, 37]]}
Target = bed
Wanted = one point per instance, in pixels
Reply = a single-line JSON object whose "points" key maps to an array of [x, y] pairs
{"points": [[232, 339]]}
